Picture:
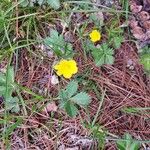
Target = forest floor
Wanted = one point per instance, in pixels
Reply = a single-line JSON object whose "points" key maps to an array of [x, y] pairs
{"points": [[74, 75]]}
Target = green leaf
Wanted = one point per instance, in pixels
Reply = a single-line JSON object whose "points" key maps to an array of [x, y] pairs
{"points": [[12, 104], [71, 88], [2, 90], [135, 146], [2, 79], [54, 3], [128, 143], [145, 60], [40, 2], [82, 99], [10, 76], [24, 3], [71, 109], [62, 95], [109, 59], [117, 41], [103, 55], [10, 129]]}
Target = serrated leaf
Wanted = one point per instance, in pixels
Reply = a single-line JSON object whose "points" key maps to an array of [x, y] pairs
{"points": [[71, 88], [12, 104], [103, 55], [54, 3], [62, 95], [71, 109], [109, 59], [117, 41], [24, 3], [56, 42], [82, 99]]}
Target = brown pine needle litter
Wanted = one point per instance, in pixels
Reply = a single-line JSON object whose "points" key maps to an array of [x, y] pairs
{"points": [[119, 91]]}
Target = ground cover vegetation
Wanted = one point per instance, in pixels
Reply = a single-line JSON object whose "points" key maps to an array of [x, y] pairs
{"points": [[75, 75]]}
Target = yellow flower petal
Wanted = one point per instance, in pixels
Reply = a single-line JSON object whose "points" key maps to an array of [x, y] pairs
{"points": [[95, 36], [66, 68], [67, 75], [73, 66], [56, 67], [59, 72]]}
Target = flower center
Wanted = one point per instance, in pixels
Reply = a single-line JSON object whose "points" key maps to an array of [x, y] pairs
{"points": [[67, 67]]}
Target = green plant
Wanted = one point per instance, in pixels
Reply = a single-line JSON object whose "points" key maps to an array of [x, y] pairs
{"points": [[102, 54], [115, 34], [70, 99], [57, 43], [53, 3], [7, 87], [127, 143], [145, 58], [99, 135]]}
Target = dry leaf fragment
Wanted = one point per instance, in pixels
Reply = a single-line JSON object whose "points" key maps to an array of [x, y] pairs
{"points": [[51, 107], [133, 24], [69, 37], [138, 33], [146, 24], [148, 35], [143, 16], [54, 80], [135, 8]]}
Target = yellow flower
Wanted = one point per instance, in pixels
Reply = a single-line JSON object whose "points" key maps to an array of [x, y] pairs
{"points": [[95, 36], [67, 68]]}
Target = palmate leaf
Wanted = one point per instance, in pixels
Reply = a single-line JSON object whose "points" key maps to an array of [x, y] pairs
{"points": [[103, 55], [24, 3], [56, 42], [12, 104], [68, 100], [54, 3], [71, 109], [71, 88], [82, 99]]}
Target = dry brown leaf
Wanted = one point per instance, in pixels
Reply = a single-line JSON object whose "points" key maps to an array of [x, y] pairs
{"points": [[146, 24], [69, 37], [143, 16], [138, 33], [135, 8], [50, 107], [148, 35], [133, 24]]}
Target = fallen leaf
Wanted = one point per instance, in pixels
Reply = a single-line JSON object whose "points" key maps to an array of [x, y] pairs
{"points": [[143, 16], [135, 8], [133, 24], [146, 24], [138, 33], [50, 107], [54, 80], [69, 37]]}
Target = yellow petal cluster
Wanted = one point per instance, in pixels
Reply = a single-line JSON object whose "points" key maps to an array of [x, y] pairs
{"points": [[66, 68], [95, 36]]}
